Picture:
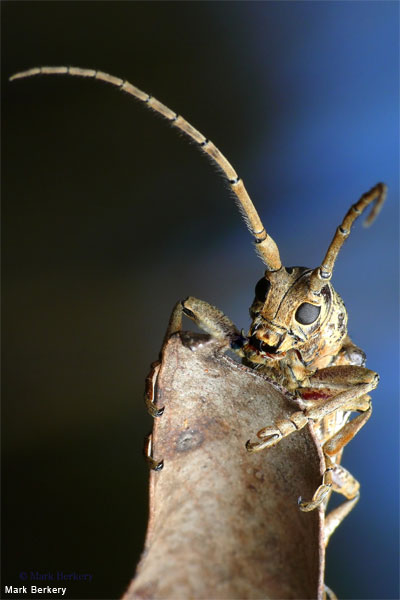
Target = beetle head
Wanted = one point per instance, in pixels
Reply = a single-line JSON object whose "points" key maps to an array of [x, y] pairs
{"points": [[287, 314]]}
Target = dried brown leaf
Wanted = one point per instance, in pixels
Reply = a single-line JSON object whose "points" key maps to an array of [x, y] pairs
{"points": [[225, 523]]}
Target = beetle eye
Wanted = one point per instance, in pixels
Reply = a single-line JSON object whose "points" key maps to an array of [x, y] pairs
{"points": [[307, 313], [262, 289]]}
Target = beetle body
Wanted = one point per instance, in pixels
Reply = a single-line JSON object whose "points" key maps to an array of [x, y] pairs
{"points": [[298, 335]]}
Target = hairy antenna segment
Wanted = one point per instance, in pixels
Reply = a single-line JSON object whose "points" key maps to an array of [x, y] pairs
{"points": [[322, 274], [265, 245]]}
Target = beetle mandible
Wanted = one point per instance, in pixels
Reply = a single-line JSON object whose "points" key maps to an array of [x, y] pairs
{"points": [[298, 334]]}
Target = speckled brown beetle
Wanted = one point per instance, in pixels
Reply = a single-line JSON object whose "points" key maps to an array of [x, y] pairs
{"points": [[298, 335]]}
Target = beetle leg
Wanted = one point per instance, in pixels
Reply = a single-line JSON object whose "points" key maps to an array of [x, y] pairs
{"points": [[328, 594], [338, 441], [339, 479], [346, 484], [347, 400], [282, 428], [174, 325], [321, 492], [342, 481], [210, 319], [351, 383], [359, 382], [150, 392], [207, 317], [148, 453]]}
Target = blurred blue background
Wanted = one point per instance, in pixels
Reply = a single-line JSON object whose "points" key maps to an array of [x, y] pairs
{"points": [[109, 218]]}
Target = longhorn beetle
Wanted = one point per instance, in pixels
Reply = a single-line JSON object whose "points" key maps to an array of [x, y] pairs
{"points": [[298, 334]]}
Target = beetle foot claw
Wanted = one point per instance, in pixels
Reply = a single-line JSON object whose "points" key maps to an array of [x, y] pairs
{"points": [[155, 465], [272, 439], [153, 410], [317, 499]]}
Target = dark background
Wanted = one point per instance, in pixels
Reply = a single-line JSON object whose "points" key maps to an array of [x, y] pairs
{"points": [[109, 217]]}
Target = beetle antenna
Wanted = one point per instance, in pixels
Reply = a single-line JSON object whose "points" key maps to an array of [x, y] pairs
{"points": [[265, 245], [321, 275]]}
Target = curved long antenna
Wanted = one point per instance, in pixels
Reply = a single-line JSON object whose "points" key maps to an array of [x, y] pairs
{"points": [[265, 245], [321, 275]]}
